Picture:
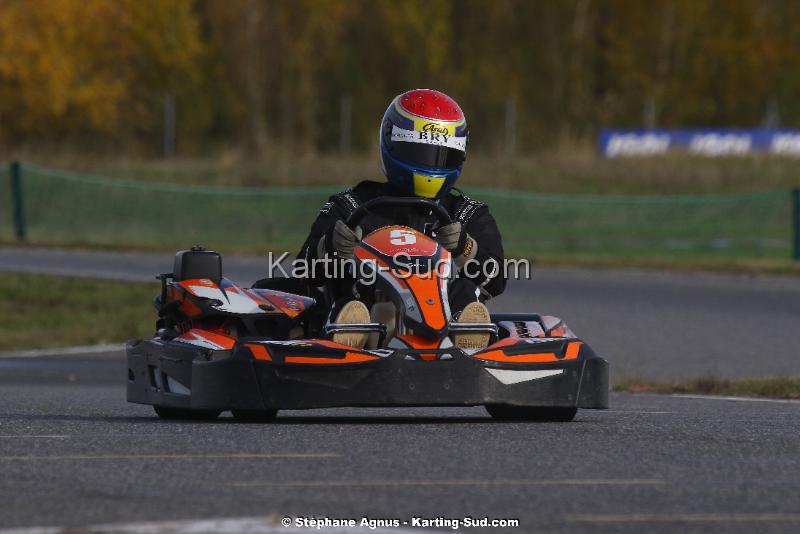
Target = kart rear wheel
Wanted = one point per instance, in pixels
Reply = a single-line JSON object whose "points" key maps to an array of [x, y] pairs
{"points": [[166, 412], [254, 416], [555, 414]]}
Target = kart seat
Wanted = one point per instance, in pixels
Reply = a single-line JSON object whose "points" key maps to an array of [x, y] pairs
{"points": [[197, 263]]}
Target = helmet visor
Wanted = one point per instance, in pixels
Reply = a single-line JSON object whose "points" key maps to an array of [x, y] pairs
{"points": [[427, 148]]}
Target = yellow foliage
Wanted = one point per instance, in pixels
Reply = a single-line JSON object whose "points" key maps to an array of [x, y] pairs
{"points": [[272, 73], [83, 60]]}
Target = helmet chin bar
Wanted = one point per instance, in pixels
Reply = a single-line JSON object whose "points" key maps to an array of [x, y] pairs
{"points": [[413, 181], [428, 186]]}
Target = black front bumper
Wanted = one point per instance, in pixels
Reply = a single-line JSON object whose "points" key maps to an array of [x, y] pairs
{"points": [[181, 376]]}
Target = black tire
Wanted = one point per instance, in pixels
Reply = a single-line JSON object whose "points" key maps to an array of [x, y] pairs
{"points": [[166, 412], [255, 416], [543, 414]]}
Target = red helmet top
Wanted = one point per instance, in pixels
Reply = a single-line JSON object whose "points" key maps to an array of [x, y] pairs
{"points": [[431, 104]]}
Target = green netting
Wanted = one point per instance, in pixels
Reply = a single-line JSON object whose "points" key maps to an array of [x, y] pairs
{"points": [[65, 208], [707, 226], [6, 208]]}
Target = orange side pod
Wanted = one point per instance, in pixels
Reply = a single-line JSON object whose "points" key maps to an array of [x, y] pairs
{"points": [[259, 351], [573, 349]]}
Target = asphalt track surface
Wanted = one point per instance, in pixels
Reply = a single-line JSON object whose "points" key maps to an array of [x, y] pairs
{"points": [[73, 453]]}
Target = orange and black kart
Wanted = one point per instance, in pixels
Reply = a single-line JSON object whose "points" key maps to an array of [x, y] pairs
{"points": [[221, 347]]}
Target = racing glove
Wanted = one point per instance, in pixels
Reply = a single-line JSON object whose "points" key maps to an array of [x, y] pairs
{"points": [[342, 240], [458, 242]]}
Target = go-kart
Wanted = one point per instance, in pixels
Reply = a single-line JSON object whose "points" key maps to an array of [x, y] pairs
{"points": [[254, 351]]}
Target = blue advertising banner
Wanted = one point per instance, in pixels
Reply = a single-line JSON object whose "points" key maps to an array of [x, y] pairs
{"points": [[703, 142]]}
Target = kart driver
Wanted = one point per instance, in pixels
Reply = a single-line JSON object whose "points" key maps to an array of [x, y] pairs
{"points": [[423, 142]]}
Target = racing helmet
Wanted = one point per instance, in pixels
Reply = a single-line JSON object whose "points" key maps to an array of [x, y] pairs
{"points": [[423, 140]]}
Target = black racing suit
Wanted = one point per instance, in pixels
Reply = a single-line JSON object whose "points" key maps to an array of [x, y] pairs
{"points": [[474, 217]]}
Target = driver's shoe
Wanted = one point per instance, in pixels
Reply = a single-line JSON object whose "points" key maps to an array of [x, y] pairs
{"points": [[354, 311], [474, 312]]}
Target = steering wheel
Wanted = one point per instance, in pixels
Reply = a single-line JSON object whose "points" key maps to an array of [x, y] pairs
{"points": [[419, 203]]}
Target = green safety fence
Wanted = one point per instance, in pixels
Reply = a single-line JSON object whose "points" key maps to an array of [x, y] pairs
{"points": [[751, 226], [6, 205], [67, 208]]}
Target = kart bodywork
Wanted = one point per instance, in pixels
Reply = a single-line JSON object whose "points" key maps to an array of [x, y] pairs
{"points": [[254, 351], [213, 372]]}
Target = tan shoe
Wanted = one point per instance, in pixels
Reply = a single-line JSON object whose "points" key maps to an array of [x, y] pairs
{"points": [[353, 312], [474, 312]]}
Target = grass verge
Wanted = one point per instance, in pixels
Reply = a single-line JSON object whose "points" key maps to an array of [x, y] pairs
{"points": [[42, 311], [784, 387]]}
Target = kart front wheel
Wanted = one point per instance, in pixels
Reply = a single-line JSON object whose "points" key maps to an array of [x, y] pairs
{"points": [[555, 414], [254, 416], [166, 412]]}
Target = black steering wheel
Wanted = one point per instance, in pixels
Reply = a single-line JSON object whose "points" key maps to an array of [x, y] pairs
{"points": [[419, 203]]}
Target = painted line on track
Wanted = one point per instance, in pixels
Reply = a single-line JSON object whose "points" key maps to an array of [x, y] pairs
{"points": [[668, 518], [736, 399], [233, 456], [35, 436], [467, 482], [644, 412], [248, 525], [695, 396], [89, 350]]}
